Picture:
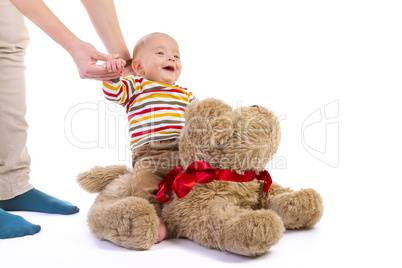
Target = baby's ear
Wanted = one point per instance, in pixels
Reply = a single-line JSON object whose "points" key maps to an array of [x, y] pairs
{"points": [[137, 67]]}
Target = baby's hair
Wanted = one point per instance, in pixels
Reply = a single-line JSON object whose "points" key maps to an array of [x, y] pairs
{"points": [[140, 43]]}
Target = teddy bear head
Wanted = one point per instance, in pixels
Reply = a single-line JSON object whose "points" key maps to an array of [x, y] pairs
{"points": [[241, 139]]}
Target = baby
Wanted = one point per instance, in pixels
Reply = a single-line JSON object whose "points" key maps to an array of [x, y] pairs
{"points": [[155, 109]]}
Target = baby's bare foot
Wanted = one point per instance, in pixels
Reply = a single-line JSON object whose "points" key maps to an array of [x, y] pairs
{"points": [[162, 231]]}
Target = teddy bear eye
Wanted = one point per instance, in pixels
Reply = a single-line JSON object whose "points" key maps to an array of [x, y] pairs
{"points": [[256, 106]]}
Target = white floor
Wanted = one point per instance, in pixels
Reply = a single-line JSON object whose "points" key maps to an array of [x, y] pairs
{"points": [[330, 70], [339, 240], [66, 242]]}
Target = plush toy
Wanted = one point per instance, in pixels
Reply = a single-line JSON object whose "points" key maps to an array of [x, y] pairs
{"points": [[220, 197]]}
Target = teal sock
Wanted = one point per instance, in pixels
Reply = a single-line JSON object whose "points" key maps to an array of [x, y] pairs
{"points": [[15, 226], [35, 200]]}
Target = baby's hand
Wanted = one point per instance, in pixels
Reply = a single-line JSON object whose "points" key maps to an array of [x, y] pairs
{"points": [[115, 65]]}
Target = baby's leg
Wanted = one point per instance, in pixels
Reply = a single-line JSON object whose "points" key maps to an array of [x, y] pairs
{"points": [[162, 231], [152, 163]]}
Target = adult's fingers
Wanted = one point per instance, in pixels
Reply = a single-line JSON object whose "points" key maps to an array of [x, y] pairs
{"points": [[98, 72], [104, 57]]}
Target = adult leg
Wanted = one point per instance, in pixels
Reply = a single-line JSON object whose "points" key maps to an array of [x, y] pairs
{"points": [[14, 162], [14, 158], [15, 191], [15, 226]]}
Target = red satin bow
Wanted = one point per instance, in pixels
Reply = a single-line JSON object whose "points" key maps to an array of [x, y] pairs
{"points": [[182, 182]]}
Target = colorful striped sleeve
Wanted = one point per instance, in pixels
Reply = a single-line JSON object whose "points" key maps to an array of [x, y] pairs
{"points": [[116, 91], [121, 91], [188, 92], [190, 95]]}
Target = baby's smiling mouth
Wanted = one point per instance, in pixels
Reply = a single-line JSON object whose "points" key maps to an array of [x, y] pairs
{"points": [[168, 68]]}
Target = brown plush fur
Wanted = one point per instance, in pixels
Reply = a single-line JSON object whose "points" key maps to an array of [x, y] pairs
{"points": [[116, 214], [230, 216]]}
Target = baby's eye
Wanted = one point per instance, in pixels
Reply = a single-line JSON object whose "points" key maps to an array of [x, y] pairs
{"points": [[160, 53], [177, 57]]}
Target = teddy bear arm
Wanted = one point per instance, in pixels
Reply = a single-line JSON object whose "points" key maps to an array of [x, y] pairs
{"points": [[96, 179]]}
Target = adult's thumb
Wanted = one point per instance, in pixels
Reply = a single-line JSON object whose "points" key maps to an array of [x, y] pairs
{"points": [[106, 57]]}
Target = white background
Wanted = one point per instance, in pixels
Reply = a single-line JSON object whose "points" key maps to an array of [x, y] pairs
{"points": [[295, 57]]}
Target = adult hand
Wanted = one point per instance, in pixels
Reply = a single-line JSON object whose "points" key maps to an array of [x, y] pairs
{"points": [[86, 56]]}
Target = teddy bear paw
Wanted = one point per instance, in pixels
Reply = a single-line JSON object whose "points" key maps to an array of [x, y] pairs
{"points": [[253, 233], [299, 209], [131, 223]]}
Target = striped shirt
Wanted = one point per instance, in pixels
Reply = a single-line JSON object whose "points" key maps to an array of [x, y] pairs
{"points": [[155, 110]]}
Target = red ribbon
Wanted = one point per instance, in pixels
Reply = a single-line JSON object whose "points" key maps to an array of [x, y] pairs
{"points": [[181, 182]]}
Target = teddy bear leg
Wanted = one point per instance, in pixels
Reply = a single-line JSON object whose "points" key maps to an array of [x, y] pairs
{"points": [[222, 225], [130, 222], [298, 209], [251, 232]]}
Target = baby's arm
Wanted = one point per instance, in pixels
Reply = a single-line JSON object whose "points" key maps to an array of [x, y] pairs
{"points": [[119, 90], [114, 65]]}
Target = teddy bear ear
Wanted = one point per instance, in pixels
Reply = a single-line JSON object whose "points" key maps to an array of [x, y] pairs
{"points": [[222, 129], [208, 108], [208, 122]]}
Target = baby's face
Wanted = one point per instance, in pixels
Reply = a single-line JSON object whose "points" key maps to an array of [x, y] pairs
{"points": [[160, 59]]}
